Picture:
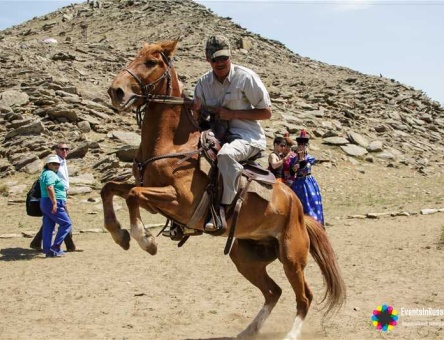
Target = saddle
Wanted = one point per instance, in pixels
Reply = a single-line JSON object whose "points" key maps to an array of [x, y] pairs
{"points": [[209, 146]]}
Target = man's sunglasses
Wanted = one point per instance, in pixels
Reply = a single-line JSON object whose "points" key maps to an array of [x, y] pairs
{"points": [[221, 58], [64, 149]]}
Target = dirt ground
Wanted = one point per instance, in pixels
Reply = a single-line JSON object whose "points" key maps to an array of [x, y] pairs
{"points": [[195, 292]]}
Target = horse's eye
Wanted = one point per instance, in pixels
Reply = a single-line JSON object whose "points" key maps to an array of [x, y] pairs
{"points": [[150, 63]]}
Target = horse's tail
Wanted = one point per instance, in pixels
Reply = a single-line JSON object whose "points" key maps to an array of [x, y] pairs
{"points": [[322, 252]]}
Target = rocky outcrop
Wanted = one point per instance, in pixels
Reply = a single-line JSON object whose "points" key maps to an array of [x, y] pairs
{"points": [[56, 70]]}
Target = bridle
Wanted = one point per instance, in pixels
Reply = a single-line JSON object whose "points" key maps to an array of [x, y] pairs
{"points": [[166, 98], [148, 97], [146, 89]]}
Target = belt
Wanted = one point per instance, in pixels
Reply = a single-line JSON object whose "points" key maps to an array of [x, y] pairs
{"points": [[300, 176]]}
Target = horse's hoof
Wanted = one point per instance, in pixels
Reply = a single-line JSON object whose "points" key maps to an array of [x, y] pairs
{"points": [[153, 249], [125, 240], [150, 245]]}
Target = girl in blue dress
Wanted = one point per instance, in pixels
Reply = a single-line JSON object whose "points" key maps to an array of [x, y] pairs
{"points": [[304, 184]]}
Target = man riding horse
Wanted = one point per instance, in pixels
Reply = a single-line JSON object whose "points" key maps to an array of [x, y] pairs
{"points": [[240, 100], [169, 179]]}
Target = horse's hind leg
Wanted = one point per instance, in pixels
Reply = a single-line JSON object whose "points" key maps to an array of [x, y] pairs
{"points": [[251, 261], [294, 253], [120, 236]]}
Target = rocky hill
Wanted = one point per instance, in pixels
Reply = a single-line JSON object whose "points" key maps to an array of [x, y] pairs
{"points": [[56, 70]]}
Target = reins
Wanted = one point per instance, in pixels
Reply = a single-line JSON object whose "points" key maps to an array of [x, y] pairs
{"points": [[141, 166]]}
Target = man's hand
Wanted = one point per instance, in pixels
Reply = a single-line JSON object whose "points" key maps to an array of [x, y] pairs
{"points": [[302, 154], [288, 155], [223, 113], [197, 105]]}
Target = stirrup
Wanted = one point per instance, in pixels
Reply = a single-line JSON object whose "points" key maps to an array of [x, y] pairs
{"points": [[174, 232], [166, 232], [177, 233], [220, 226]]}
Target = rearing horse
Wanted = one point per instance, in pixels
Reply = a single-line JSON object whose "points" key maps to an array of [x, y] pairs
{"points": [[170, 182]]}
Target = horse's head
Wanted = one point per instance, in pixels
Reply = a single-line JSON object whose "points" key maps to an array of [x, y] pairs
{"points": [[148, 74]]}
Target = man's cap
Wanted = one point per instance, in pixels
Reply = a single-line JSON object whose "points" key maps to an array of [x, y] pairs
{"points": [[52, 159], [217, 46]]}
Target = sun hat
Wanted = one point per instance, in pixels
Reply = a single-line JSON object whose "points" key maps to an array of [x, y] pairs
{"points": [[217, 46], [52, 159], [303, 137]]}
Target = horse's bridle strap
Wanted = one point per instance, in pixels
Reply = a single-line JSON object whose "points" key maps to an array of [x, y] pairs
{"points": [[141, 166], [145, 88]]}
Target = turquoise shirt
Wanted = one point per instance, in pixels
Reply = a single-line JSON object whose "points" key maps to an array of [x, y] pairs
{"points": [[48, 178]]}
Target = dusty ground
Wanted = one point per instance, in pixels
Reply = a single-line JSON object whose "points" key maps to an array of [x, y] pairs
{"points": [[195, 292]]}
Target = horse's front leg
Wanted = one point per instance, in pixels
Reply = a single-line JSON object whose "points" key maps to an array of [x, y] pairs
{"points": [[152, 199], [120, 236]]}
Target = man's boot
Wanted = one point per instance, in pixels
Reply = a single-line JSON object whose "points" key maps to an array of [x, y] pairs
{"points": [[36, 242], [218, 224], [69, 243]]}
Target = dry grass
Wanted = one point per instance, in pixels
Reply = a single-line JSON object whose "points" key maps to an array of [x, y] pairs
{"points": [[4, 190]]}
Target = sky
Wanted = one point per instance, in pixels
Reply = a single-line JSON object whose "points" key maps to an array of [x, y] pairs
{"points": [[402, 40]]}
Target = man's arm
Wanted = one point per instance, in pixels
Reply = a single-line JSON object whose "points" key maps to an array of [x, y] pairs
{"points": [[254, 114]]}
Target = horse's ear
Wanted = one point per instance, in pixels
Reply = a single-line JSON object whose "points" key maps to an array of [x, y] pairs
{"points": [[169, 47]]}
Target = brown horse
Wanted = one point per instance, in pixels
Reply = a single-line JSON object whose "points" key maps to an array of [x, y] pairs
{"points": [[170, 182]]}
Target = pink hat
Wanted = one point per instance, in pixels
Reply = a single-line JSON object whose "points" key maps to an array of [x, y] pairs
{"points": [[303, 137]]}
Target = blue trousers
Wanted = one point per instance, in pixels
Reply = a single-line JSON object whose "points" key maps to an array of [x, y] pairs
{"points": [[61, 217]]}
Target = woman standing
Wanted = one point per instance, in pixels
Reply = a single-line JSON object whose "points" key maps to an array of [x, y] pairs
{"points": [[53, 205], [304, 185]]}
